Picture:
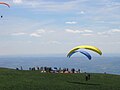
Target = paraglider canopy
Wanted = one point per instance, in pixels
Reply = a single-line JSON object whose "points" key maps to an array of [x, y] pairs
{"points": [[5, 4], [92, 48]]}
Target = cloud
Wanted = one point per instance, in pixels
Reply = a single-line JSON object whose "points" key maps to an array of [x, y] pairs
{"points": [[115, 30], [35, 35], [81, 12], [109, 32], [73, 31], [40, 32], [17, 1], [71, 22], [87, 31], [78, 31], [87, 34], [102, 33], [18, 34]]}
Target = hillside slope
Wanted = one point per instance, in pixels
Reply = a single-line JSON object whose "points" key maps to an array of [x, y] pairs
{"points": [[34, 80]]}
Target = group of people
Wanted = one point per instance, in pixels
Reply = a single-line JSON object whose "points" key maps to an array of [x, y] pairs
{"points": [[57, 70], [52, 70]]}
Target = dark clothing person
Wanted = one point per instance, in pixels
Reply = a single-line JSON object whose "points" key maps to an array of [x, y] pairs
{"points": [[55, 68], [73, 70], [17, 68], [45, 68], [78, 70], [21, 67], [88, 76], [38, 68], [30, 68], [64, 70], [33, 69]]}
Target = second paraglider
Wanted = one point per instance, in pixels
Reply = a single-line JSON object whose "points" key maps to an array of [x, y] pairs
{"points": [[3, 3]]}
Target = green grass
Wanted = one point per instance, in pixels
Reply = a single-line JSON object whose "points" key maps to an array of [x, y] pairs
{"points": [[34, 80]]}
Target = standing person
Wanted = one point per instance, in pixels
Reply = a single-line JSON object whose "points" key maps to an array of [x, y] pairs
{"points": [[17, 68], [38, 68], [60, 70], [86, 76], [78, 70], [73, 70], [30, 68], [21, 67]]}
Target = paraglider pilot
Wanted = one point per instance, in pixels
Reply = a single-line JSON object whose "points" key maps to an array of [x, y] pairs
{"points": [[1, 16]]}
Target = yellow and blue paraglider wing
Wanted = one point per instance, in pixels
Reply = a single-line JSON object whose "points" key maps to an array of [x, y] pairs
{"points": [[93, 48]]}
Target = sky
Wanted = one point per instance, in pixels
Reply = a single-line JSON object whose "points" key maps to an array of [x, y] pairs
{"points": [[32, 27]]}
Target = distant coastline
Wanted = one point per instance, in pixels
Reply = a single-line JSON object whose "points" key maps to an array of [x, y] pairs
{"points": [[96, 65]]}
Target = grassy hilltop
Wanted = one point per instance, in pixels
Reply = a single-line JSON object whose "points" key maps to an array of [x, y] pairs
{"points": [[34, 80]]}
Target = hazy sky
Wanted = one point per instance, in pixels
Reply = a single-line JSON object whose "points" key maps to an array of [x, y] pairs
{"points": [[56, 26]]}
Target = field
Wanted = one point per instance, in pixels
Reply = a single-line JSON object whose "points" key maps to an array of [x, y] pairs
{"points": [[34, 80]]}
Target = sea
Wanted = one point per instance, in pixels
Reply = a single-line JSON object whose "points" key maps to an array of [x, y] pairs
{"points": [[110, 65]]}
